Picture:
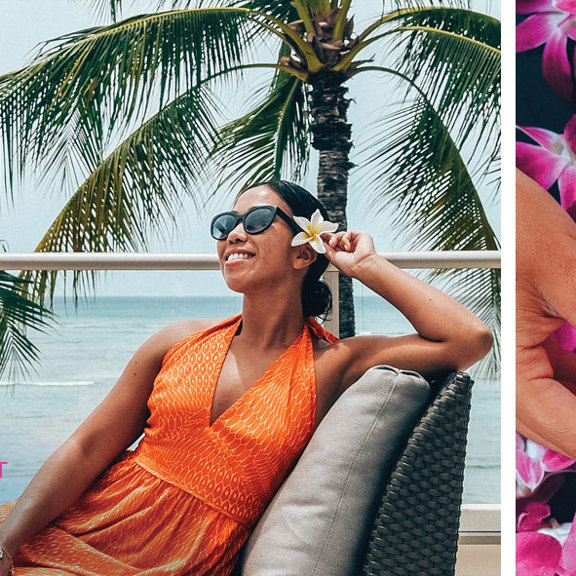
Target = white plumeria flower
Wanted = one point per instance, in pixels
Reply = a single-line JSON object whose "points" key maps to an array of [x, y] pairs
{"points": [[312, 230]]}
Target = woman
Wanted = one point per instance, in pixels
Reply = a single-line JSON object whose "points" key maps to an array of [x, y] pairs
{"points": [[226, 406]]}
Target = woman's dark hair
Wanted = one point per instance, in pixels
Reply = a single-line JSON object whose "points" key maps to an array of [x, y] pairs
{"points": [[316, 296]]}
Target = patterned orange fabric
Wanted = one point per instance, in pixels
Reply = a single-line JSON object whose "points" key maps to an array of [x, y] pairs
{"points": [[184, 502]]}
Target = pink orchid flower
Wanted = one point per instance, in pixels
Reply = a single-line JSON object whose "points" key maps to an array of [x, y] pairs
{"points": [[537, 554], [533, 463], [548, 552], [552, 22], [544, 546], [552, 159]]}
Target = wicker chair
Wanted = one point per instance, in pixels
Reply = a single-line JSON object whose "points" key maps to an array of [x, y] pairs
{"points": [[415, 528], [419, 514]]}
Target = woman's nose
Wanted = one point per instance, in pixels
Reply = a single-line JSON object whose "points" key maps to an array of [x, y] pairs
{"points": [[238, 234]]}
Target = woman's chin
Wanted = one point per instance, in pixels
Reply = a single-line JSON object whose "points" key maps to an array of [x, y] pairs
{"points": [[237, 284]]}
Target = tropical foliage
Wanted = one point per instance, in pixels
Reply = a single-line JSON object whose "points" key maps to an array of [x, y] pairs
{"points": [[127, 119]]}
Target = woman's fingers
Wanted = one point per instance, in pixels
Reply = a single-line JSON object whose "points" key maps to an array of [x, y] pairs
{"points": [[341, 240], [545, 408]]}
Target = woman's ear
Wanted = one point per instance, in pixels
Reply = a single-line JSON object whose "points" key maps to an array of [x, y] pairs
{"points": [[305, 255]]}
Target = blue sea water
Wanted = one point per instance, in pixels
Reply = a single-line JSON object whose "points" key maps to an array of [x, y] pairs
{"points": [[88, 350]]}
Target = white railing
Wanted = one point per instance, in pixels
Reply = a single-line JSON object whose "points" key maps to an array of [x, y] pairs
{"points": [[182, 261]]}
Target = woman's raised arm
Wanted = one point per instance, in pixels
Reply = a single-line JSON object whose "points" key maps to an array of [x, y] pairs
{"points": [[112, 427], [449, 337]]}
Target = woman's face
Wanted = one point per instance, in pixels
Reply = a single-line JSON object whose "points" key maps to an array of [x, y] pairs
{"points": [[255, 262]]}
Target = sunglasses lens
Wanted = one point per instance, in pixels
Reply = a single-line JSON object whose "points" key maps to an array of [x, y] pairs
{"points": [[258, 220], [223, 225]]}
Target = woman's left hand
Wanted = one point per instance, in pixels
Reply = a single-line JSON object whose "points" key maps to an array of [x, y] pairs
{"points": [[349, 250]]}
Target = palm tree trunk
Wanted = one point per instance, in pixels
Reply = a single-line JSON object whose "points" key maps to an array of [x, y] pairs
{"points": [[332, 138]]}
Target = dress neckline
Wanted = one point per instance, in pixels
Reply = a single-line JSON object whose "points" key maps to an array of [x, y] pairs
{"points": [[228, 337]]}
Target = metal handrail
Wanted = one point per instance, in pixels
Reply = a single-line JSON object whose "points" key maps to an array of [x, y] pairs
{"points": [[184, 261]]}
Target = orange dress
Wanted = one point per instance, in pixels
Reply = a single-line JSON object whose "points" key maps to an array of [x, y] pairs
{"points": [[185, 501]]}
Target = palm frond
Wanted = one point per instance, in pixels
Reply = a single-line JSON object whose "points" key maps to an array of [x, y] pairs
{"points": [[17, 313], [417, 170], [271, 139], [454, 56], [282, 10], [106, 7], [105, 76], [417, 162], [137, 190], [393, 5]]}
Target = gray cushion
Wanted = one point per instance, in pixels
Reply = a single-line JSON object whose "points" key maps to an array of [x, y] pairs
{"points": [[317, 523]]}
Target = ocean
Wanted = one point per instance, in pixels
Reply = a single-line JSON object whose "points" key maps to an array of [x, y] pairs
{"points": [[88, 349]]}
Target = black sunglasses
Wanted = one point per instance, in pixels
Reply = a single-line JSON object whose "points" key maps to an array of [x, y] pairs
{"points": [[255, 221]]}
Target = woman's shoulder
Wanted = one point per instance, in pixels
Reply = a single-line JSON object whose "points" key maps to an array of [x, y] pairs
{"points": [[171, 336]]}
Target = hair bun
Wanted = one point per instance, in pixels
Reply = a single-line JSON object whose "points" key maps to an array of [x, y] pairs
{"points": [[316, 298]]}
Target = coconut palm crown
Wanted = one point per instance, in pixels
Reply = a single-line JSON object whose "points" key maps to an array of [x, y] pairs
{"points": [[126, 119]]}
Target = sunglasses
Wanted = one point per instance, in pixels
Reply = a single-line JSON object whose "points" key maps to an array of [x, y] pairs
{"points": [[255, 221]]}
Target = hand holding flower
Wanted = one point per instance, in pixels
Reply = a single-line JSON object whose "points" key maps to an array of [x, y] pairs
{"points": [[349, 251]]}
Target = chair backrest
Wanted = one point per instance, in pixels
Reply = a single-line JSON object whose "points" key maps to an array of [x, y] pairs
{"points": [[416, 527], [321, 523]]}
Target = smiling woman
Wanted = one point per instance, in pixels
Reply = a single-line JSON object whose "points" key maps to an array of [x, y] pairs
{"points": [[211, 396]]}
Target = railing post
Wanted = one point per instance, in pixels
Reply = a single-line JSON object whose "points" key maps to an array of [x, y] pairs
{"points": [[332, 323]]}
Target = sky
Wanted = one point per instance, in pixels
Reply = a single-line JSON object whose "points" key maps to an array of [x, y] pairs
{"points": [[26, 23]]}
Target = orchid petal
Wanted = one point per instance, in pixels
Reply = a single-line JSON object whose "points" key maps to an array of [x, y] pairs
{"points": [[566, 336], [534, 450], [547, 139], [568, 559], [520, 441], [530, 6], [556, 66], [531, 515], [528, 471], [540, 164], [536, 30], [317, 244], [557, 530], [570, 133], [300, 238], [304, 223], [566, 6], [567, 187], [554, 462], [537, 554]]}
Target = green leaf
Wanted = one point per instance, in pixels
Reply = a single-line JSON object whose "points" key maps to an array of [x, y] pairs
{"points": [[284, 10], [271, 140], [111, 76], [102, 7], [414, 167], [17, 313], [453, 55], [138, 188]]}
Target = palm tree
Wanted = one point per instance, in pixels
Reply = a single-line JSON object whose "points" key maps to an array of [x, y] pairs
{"points": [[126, 117]]}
